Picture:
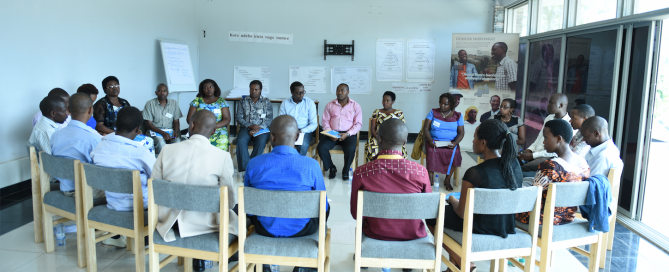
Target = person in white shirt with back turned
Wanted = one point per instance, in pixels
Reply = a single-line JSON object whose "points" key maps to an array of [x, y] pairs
{"points": [[535, 153], [604, 154]]}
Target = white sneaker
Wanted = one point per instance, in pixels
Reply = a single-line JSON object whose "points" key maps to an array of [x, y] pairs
{"points": [[120, 242]]}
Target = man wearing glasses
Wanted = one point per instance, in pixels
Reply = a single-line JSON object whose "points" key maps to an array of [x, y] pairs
{"points": [[303, 109]]}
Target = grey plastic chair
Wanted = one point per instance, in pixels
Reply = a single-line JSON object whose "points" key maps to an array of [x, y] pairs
{"points": [[476, 247], [308, 251], [571, 235], [421, 253], [130, 224], [217, 246], [55, 203]]}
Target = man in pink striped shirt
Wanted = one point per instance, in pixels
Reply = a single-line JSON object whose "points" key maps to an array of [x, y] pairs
{"points": [[344, 116]]}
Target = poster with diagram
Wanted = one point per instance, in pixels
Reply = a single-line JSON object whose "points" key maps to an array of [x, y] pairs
{"points": [[389, 59], [420, 61], [243, 75], [312, 77], [358, 79]]}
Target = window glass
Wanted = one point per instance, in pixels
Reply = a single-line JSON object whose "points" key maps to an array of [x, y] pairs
{"points": [[589, 70], [588, 11], [641, 6], [551, 13], [542, 81], [519, 20]]}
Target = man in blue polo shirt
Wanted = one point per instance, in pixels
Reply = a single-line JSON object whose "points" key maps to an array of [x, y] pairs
{"points": [[303, 109], [284, 169]]}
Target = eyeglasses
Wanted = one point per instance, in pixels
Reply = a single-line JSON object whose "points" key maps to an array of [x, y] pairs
{"points": [[112, 86]]}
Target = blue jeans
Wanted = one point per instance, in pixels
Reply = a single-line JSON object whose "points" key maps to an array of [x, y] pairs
{"points": [[304, 148], [243, 140]]}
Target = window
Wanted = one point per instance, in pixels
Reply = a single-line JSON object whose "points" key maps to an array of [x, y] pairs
{"points": [[641, 6], [518, 20], [550, 15], [588, 11]]}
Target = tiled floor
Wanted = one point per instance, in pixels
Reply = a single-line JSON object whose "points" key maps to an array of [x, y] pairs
{"points": [[18, 252]]}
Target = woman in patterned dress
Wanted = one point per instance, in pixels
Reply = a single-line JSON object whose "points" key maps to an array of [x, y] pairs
{"points": [[378, 117], [209, 98], [567, 167]]}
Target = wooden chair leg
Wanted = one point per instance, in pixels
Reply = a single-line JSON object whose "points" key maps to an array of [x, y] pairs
{"points": [[154, 260], [258, 267], [609, 235], [494, 265], [188, 264], [128, 244], [546, 258], [37, 214], [81, 244], [593, 263], [140, 252], [47, 226], [180, 261], [602, 251], [91, 255]]}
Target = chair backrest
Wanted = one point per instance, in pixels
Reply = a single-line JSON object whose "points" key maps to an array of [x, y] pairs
{"points": [[186, 197], [400, 206], [570, 194], [286, 204], [505, 201], [109, 179], [57, 166], [614, 178]]}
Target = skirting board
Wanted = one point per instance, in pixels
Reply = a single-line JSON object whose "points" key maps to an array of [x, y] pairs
{"points": [[14, 171]]}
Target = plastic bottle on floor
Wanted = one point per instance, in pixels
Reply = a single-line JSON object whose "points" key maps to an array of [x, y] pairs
{"points": [[208, 264], [436, 184], [60, 235], [274, 268], [350, 175], [385, 269]]}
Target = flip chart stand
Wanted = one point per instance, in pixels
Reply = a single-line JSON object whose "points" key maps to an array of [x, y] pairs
{"points": [[338, 49]]}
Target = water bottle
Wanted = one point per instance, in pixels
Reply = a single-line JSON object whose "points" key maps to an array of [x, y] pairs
{"points": [[274, 268], [60, 235], [436, 184], [350, 175], [385, 269], [208, 264]]}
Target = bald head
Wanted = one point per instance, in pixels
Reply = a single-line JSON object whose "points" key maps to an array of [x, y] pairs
{"points": [[81, 107], [203, 122], [558, 104], [284, 131], [595, 131], [392, 134]]}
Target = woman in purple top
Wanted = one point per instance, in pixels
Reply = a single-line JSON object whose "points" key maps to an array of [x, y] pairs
{"points": [[446, 125]]}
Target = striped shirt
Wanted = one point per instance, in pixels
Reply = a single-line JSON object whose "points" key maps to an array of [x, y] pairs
{"points": [[162, 117], [41, 135]]}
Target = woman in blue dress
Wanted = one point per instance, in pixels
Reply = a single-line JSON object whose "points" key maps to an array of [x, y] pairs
{"points": [[443, 124]]}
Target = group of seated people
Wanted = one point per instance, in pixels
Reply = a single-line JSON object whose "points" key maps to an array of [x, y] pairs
{"points": [[72, 127]]}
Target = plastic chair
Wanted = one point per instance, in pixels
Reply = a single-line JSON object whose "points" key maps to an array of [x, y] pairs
{"points": [[307, 251], [423, 253], [217, 246]]}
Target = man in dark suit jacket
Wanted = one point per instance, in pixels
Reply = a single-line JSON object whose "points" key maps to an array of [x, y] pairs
{"points": [[494, 105]]}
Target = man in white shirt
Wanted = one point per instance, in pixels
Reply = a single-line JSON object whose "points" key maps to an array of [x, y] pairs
{"points": [[535, 153], [303, 109], [604, 154], [54, 111], [578, 115], [57, 92], [195, 162]]}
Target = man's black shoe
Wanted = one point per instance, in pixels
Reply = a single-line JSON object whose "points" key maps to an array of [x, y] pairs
{"points": [[198, 265], [333, 173], [344, 176]]}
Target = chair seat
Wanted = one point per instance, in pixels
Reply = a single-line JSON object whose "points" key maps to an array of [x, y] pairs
{"points": [[484, 242], [204, 242], [419, 249], [59, 200], [108, 216], [300, 247], [576, 229]]}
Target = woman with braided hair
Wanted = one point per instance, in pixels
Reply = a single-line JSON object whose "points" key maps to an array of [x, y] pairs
{"points": [[498, 171]]}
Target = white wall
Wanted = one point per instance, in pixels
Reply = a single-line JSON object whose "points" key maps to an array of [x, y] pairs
{"points": [[339, 22], [66, 43]]}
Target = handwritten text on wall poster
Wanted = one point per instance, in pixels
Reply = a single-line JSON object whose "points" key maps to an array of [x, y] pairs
{"points": [[177, 59], [260, 37], [410, 87], [243, 75]]}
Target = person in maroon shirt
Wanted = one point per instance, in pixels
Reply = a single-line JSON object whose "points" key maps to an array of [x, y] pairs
{"points": [[389, 172]]}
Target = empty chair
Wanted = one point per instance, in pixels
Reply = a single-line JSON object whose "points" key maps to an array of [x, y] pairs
{"points": [[307, 251], [423, 253], [216, 246], [130, 224], [571, 235]]}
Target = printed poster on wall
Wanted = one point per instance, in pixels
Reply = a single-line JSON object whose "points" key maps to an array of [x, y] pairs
{"points": [[420, 61], [484, 69], [389, 59]]}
